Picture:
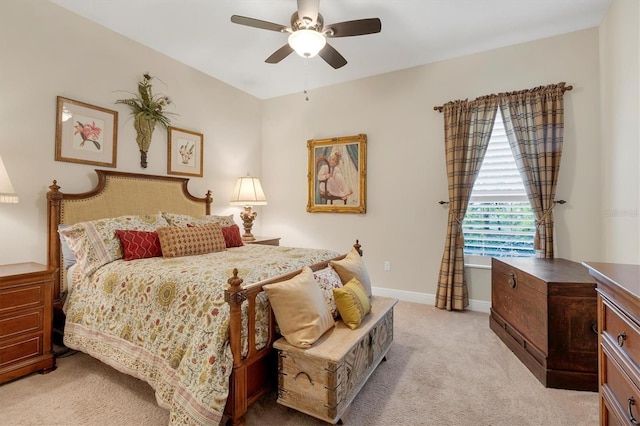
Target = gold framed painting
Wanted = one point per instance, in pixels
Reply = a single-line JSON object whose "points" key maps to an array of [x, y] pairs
{"points": [[337, 174], [185, 152], [85, 133]]}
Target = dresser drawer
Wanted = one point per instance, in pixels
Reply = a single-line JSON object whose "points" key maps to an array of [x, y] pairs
{"points": [[621, 332], [23, 297], [19, 350], [623, 394], [28, 322]]}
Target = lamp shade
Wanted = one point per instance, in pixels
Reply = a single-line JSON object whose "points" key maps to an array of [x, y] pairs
{"points": [[248, 192], [7, 193], [307, 43]]}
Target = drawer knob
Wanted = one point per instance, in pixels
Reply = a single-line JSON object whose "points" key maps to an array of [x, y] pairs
{"points": [[512, 280], [621, 338], [631, 418]]}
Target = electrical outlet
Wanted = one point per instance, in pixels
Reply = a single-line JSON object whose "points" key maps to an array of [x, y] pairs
{"points": [[387, 265]]}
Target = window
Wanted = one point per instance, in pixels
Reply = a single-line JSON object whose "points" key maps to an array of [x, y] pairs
{"points": [[499, 220]]}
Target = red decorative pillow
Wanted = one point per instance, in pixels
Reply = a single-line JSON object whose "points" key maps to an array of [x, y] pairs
{"points": [[139, 244], [232, 236]]}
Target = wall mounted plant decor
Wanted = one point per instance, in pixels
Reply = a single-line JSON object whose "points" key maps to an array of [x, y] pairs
{"points": [[147, 110]]}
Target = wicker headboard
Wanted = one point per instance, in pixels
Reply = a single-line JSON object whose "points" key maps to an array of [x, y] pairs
{"points": [[117, 194]]}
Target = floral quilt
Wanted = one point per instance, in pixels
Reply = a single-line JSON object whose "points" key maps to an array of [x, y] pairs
{"points": [[165, 321]]}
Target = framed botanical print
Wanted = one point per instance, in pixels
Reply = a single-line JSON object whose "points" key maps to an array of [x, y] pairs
{"points": [[337, 174], [185, 152], [85, 133]]}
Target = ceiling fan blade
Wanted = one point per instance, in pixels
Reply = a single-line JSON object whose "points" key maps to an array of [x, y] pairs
{"points": [[332, 56], [308, 10], [257, 23], [354, 28], [279, 54]]}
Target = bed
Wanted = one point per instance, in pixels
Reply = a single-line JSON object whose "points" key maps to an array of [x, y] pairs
{"points": [[198, 328]]}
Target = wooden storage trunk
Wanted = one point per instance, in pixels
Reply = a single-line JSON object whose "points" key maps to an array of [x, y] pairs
{"points": [[545, 311], [323, 380]]}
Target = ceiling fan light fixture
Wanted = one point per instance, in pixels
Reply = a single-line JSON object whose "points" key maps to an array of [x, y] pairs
{"points": [[307, 43]]}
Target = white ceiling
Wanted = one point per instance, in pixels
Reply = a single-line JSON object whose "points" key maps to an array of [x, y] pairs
{"points": [[200, 34]]}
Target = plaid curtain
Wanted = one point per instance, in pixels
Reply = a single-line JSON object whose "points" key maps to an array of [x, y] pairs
{"points": [[534, 121], [467, 129]]}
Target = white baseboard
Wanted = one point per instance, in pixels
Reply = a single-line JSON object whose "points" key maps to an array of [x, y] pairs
{"points": [[426, 298]]}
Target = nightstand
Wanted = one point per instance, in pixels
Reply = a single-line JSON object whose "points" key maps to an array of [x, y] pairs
{"points": [[26, 316], [267, 241]]}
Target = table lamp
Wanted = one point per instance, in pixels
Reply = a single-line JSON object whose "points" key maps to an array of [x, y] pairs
{"points": [[248, 192], [7, 193]]}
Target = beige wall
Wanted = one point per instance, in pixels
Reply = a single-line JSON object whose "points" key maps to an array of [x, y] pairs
{"points": [[47, 51], [619, 211], [405, 164]]}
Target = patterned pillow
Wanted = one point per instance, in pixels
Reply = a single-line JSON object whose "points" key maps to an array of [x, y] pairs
{"points": [[352, 302], [139, 244], [176, 241], [68, 258], [328, 279], [94, 243], [175, 219], [232, 237]]}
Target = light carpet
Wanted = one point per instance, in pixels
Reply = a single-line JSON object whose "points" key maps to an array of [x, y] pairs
{"points": [[444, 368]]}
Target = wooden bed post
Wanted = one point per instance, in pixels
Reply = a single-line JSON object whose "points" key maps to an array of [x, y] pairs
{"points": [[234, 296], [358, 248], [54, 198], [208, 199]]}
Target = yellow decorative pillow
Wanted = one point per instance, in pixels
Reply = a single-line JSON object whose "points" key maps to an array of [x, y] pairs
{"points": [[352, 302], [352, 266], [300, 309], [176, 241]]}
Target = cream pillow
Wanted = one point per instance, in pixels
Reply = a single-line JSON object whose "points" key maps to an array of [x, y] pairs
{"points": [[300, 309], [352, 266]]}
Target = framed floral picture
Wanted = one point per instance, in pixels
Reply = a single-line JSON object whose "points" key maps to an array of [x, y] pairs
{"points": [[337, 174], [85, 133], [185, 152]]}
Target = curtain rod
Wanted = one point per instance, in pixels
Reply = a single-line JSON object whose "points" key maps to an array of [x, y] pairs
{"points": [[439, 108], [442, 202]]}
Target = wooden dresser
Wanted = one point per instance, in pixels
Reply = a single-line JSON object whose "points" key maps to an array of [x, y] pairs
{"points": [[545, 311], [26, 305], [618, 288]]}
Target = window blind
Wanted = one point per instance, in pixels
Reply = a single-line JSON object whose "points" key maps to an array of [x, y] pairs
{"points": [[499, 221]]}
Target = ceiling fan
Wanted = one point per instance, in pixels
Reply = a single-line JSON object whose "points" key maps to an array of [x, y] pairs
{"points": [[308, 34]]}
